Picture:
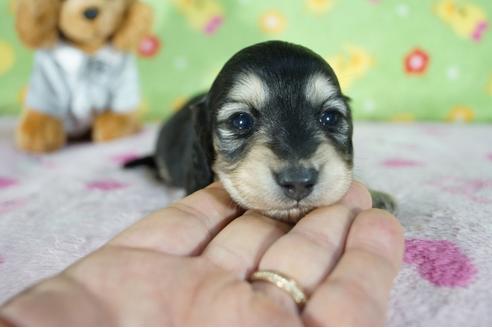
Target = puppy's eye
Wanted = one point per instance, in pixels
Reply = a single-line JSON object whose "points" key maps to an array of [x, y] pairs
{"points": [[329, 118], [242, 122]]}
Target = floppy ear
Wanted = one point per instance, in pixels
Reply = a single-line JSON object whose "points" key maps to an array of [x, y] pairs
{"points": [[37, 22], [136, 24], [200, 174]]}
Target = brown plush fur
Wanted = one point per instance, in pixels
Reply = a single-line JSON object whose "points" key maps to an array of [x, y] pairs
{"points": [[110, 125], [39, 23], [39, 133]]}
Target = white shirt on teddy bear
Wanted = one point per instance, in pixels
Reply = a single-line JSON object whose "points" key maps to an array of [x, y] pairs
{"points": [[74, 86]]}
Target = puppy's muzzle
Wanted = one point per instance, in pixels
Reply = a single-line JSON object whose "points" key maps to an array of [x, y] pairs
{"points": [[296, 182]]}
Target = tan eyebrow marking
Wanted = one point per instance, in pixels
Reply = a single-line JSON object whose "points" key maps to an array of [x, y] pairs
{"points": [[319, 89], [250, 89]]}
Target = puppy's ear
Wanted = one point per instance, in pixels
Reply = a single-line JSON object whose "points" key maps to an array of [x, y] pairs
{"points": [[136, 24], [347, 99], [200, 174], [37, 22]]}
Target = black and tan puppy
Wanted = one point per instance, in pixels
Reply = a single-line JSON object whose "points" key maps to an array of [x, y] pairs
{"points": [[274, 128]]}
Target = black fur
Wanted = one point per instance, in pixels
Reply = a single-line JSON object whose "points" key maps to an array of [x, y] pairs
{"points": [[184, 147], [147, 161], [285, 68]]}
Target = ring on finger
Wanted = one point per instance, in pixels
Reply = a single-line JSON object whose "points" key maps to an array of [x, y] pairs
{"points": [[288, 285]]}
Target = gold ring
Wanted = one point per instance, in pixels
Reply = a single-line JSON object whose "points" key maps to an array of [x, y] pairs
{"points": [[290, 286]]}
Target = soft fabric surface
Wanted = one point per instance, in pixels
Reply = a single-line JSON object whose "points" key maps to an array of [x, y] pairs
{"points": [[380, 49], [55, 209]]}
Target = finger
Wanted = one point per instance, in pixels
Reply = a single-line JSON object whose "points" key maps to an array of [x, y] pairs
{"points": [[239, 246], [311, 249], [358, 197], [357, 291], [185, 227]]}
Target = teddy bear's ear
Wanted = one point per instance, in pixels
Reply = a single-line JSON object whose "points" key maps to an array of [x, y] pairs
{"points": [[37, 22], [135, 26]]}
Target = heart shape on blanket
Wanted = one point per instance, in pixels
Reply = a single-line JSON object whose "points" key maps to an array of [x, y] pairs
{"points": [[106, 185], [6, 182], [440, 262], [400, 162]]}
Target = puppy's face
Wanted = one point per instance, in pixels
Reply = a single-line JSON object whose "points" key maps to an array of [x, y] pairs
{"points": [[282, 131], [91, 21]]}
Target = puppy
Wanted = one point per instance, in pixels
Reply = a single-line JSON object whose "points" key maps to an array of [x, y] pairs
{"points": [[274, 128]]}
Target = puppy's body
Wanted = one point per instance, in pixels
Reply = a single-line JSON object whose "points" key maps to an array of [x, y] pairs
{"points": [[274, 128], [179, 158]]}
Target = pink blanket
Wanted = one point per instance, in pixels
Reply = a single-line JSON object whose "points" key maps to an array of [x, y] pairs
{"points": [[56, 208]]}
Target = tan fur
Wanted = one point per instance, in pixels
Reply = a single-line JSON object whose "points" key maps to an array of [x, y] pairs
{"points": [[123, 22], [318, 89], [86, 34], [109, 126], [137, 24], [250, 89], [251, 183], [37, 22], [39, 133]]}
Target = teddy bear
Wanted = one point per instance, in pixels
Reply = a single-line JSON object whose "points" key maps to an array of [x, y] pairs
{"points": [[84, 79]]}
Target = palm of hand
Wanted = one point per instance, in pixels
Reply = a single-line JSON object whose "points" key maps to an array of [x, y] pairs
{"points": [[188, 264]]}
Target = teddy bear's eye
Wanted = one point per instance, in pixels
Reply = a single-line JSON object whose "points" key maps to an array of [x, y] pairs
{"points": [[91, 13]]}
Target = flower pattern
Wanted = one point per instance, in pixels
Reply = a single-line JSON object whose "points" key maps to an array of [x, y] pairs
{"points": [[416, 62], [399, 61]]}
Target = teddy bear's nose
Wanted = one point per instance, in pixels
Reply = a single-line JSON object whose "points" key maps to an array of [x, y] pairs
{"points": [[91, 13]]}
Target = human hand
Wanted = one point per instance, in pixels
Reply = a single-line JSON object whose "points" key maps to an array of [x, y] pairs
{"points": [[189, 264]]}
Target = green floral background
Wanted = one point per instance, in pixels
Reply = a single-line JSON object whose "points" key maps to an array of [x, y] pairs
{"points": [[399, 60]]}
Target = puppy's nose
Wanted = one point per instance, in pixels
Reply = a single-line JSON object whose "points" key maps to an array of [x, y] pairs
{"points": [[91, 13], [297, 182]]}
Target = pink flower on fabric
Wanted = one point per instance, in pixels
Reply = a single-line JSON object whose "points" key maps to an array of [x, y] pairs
{"points": [[7, 182], [106, 185], [479, 31], [213, 25], [440, 262], [149, 47], [416, 62]]}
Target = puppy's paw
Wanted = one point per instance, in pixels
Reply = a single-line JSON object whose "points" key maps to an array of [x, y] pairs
{"points": [[109, 126], [383, 201], [39, 133]]}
